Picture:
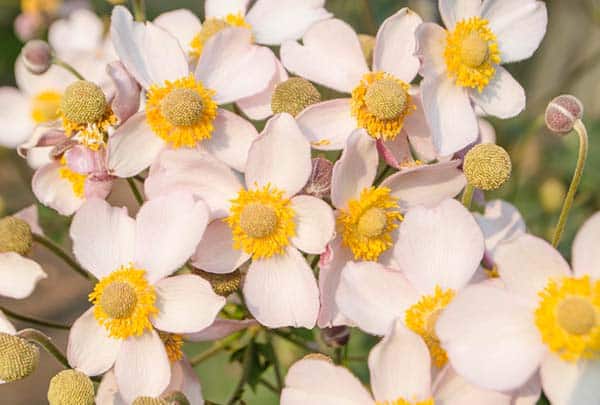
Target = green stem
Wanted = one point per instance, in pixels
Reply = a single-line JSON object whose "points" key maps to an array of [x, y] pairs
{"points": [[68, 68], [215, 349], [246, 368], [579, 127], [139, 10], [35, 321], [467, 196], [276, 364], [135, 191], [57, 250], [45, 343], [292, 340], [269, 386]]}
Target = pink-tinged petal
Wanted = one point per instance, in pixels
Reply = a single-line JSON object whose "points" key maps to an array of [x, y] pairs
{"points": [[452, 389], [81, 159], [586, 255], [315, 224], [175, 299], [38, 146], [440, 246], [526, 264], [90, 349], [6, 326], [275, 21], [98, 186], [415, 124], [487, 132], [279, 157], [185, 380], [318, 381], [182, 24], [426, 185], [126, 101], [529, 393], [234, 67], [330, 55], [452, 11], [327, 125], [18, 275], [431, 42], [220, 329], [400, 366], [168, 229], [196, 172], [159, 46], [519, 26], [220, 9], [449, 114], [258, 106], [395, 152], [142, 367], [231, 139], [215, 252], [55, 79], [133, 147], [396, 44], [15, 117], [103, 237], [503, 97], [108, 391], [373, 297], [490, 337], [501, 221], [568, 383], [355, 170], [30, 215], [282, 291], [81, 31], [54, 191]]}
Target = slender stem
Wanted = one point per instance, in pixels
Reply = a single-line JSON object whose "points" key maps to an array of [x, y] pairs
{"points": [[139, 10], [269, 385], [140, 178], [338, 355], [246, 365], [467, 196], [215, 349], [45, 343], [292, 340], [135, 191], [276, 365], [57, 250], [68, 68], [370, 18], [579, 127], [35, 321]]}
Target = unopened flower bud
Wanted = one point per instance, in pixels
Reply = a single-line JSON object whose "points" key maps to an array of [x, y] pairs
{"points": [[552, 193], [562, 113], [319, 182], [367, 44], [18, 357], [71, 387], [37, 56], [15, 236], [28, 26], [149, 401], [487, 166], [222, 284], [336, 336], [293, 96]]}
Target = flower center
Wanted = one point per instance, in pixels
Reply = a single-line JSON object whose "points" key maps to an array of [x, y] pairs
{"points": [[293, 96], [568, 317], [262, 222], [422, 317], [45, 106], [213, 25], [380, 104], [77, 180], [15, 236], [173, 344], [71, 387], [487, 166], [402, 401], [124, 302], [471, 53], [367, 223], [83, 102], [18, 357], [149, 401], [181, 112]]}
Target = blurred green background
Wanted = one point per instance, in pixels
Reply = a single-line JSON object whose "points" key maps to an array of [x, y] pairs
{"points": [[567, 62]]}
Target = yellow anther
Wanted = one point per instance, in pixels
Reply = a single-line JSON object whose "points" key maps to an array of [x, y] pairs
{"points": [[83, 103], [182, 107], [293, 96], [386, 99], [487, 166]]}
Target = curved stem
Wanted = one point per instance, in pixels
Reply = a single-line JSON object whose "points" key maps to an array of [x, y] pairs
{"points": [[57, 250], [45, 343], [35, 321], [139, 10], [216, 348], [135, 191], [579, 127], [276, 364], [467, 196], [246, 366], [68, 68]]}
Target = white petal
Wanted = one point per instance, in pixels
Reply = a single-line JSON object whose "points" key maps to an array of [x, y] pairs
{"points": [[55, 79], [103, 237], [220, 8], [52, 190], [355, 170], [81, 31], [441, 246], [215, 252], [327, 125], [330, 55], [186, 304], [182, 24], [373, 297], [189, 385], [168, 229], [234, 67], [220, 329], [519, 26], [503, 97], [133, 147], [400, 366], [431, 42], [108, 391], [568, 383], [280, 157], [90, 349], [231, 139], [453, 11], [282, 291], [501, 221], [449, 114], [15, 117], [452, 389], [160, 46], [258, 106], [396, 44], [142, 367], [5, 325], [315, 224], [490, 338], [586, 255], [18, 275]]}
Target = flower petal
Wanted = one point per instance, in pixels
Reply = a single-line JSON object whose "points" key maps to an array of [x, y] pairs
{"points": [[182, 24], [431, 42], [330, 55], [220, 329], [30, 215], [108, 391], [126, 100], [160, 46], [586, 256], [282, 291], [52, 190], [15, 117], [18, 275], [220, 8], [189, 385], [280, 157], [327, 125], [503, 97], [81, 31], [453, 11], [570, 383], [215, 252], [315, 224], [501, 221], [258, 106]]}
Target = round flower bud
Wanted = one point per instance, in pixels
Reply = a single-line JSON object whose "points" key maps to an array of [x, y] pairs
{"points": [[487, 166], [336, 336], [18, 357], [293, 96], [149, 401], [222, 284], [37, 56], [71, 387], [552, 193], [367, 44], [562, 113], [15, 236], [319, 182]]}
